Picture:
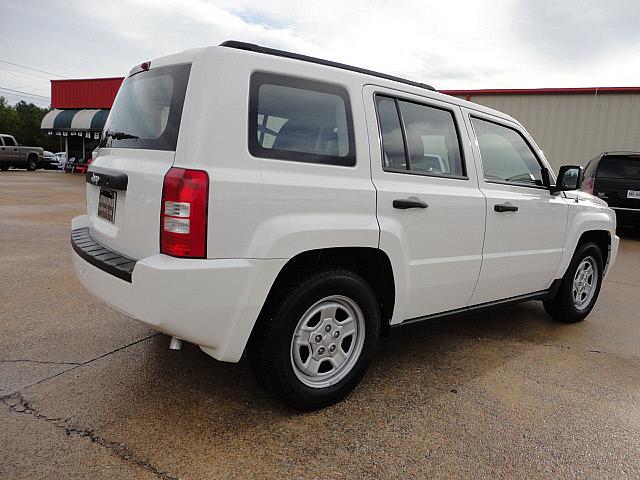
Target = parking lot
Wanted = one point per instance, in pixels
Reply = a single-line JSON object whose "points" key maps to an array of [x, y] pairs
{"points": [[88, 393]]}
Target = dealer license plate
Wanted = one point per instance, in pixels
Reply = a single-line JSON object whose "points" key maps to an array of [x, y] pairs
{"points": [[633, 193], [107, 205]]}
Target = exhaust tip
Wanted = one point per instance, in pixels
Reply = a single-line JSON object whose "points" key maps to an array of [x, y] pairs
{"points": [[175, 344]]}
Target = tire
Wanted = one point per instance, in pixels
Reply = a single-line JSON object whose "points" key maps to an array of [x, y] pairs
{"points": [[32, 164], [305, 375], [4, 169], [569, 308]]}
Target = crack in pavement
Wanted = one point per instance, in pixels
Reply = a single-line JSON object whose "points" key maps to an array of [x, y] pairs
{"points": [[18, 404], [526, 342], [78, 365], [24, 360], [622, 283]]}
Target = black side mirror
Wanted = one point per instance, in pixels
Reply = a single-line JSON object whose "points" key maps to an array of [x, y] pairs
{"points": [[569, 178]]}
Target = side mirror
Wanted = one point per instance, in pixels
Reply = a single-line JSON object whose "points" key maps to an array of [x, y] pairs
{"points": [[569, 178]]}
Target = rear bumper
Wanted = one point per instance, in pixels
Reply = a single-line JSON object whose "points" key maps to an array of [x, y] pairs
{"points": [[627, 217], [101, 257], [49, 163], [212, 303]]}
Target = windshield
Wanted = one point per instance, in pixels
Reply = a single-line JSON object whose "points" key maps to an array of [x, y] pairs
{"points": [[620, 167], [147, 111]]}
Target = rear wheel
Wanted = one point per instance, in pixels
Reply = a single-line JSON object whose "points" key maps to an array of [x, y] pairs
{"points": [[580, 286], [316, 345], [32, 163]]}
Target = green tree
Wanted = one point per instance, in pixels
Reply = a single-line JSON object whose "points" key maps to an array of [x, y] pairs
{"points": [[7, 117], [23, 120]]}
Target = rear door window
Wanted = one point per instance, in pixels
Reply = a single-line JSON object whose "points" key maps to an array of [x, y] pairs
{"points": [[620, 167], [394, 157], [419, 138], [432, 140], [147, 111], [300, 120]]}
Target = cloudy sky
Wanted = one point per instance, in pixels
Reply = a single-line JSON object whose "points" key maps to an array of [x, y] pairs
{"points": [[449, 44]]}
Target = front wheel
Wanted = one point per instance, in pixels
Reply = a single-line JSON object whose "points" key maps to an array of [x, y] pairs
{"points": [[580, 286], [317, 344], [32, 164]]}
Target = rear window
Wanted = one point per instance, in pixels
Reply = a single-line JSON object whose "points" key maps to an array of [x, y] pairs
{"points": [[300, 120], [619, 167], [147, 111]]}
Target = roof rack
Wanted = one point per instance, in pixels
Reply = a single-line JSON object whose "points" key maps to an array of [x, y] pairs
{"points": [[305, 58]]}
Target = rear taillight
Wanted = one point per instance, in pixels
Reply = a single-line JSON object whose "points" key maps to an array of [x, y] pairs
{"points": [[183, 218], [588, 186]]}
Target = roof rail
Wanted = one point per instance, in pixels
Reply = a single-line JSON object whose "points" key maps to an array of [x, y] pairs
{"points": [[252, 47]]}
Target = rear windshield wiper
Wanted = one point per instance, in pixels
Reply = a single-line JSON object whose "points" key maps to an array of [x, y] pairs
{"points": [[120, 135]]}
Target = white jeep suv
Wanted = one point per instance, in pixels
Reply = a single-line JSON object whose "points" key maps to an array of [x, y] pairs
{"points": [[250, 199]]}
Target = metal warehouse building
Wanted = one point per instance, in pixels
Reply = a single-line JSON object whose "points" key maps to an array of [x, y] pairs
{"points": [[571, 125]]}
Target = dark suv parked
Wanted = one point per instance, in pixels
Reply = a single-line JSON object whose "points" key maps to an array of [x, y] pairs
{"points": [[615, 177]]}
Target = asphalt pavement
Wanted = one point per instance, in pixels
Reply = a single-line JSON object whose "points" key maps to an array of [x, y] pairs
{"points": [[89, 393]]}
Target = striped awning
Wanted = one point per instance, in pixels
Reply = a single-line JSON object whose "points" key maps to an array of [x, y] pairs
{"points": [[86, 120]]}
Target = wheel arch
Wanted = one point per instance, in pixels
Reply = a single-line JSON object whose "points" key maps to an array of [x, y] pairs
{"points": [[372, 264], [601, 237]]}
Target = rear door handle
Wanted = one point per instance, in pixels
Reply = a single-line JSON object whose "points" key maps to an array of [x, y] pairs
{"points": [[412, 202], [505, 207]]}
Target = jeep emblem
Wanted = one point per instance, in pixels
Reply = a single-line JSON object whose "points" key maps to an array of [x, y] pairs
{"points": [[95, 179]]}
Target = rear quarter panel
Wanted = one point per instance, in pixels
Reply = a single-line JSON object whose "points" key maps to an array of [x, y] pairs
{"points": [[267, 208], [25, 151]]}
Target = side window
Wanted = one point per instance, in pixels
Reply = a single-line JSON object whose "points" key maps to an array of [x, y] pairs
{"points": [[300, 120], [432, 140], [506, 156], [391, 131], [9, 142], [430, 136], [1, 142]]}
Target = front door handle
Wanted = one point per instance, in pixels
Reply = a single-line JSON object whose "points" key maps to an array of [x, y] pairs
{"points": [[505, 207], [411, 202]]}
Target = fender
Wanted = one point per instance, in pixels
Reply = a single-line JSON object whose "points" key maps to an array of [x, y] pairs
{"points": [[277, 240], [24, 154], [585, 215], [38, 153]]}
